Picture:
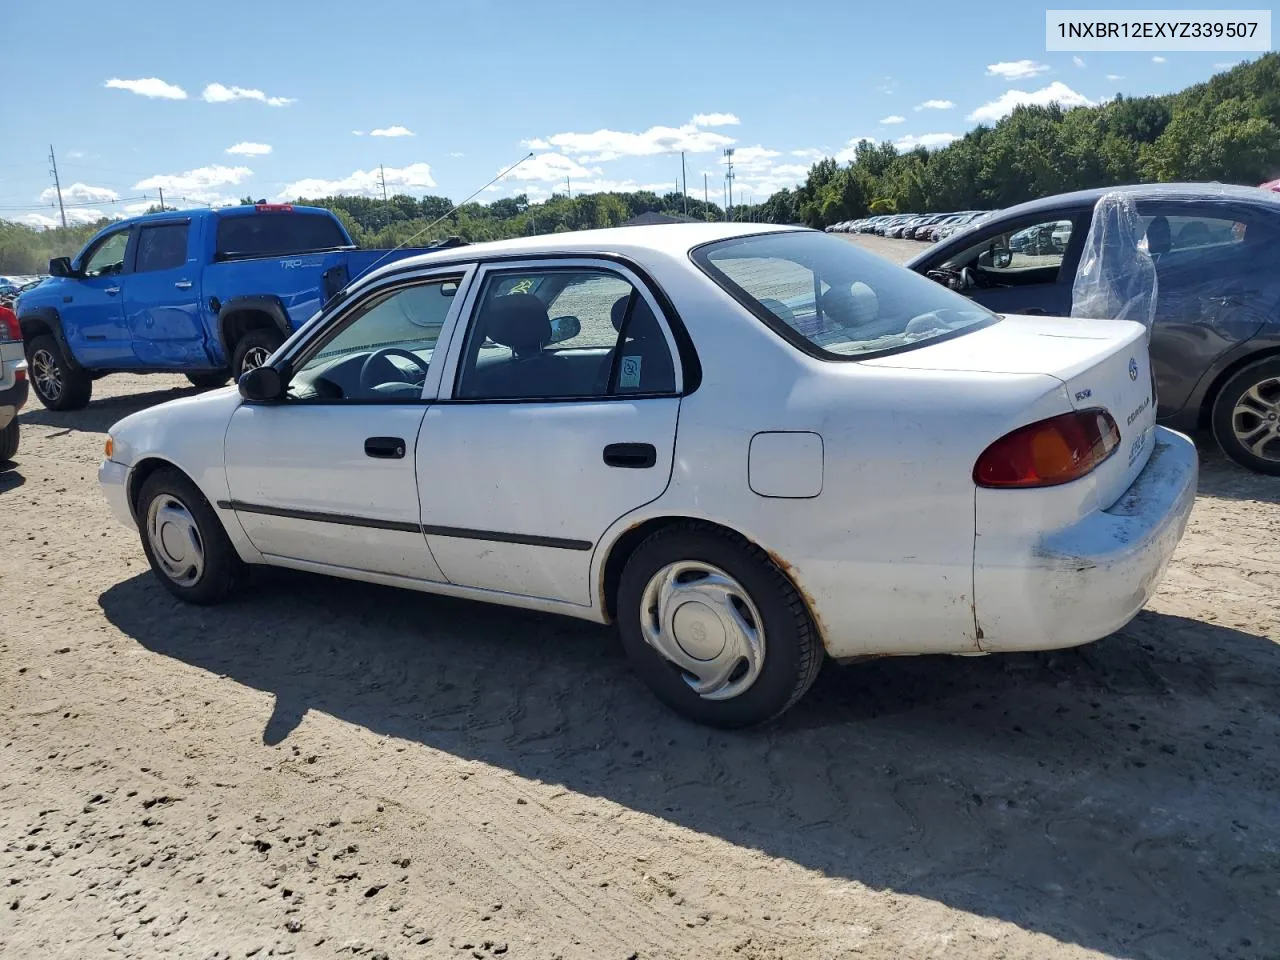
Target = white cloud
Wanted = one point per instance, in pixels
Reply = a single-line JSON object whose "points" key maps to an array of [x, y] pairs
{"points": [[357, 133], [797, 171], [416, 177], [75, 154], [850, 149], [1003, 105], [1226, 66], [75, 215], [753, 158], [929, 140], [79, 193], [715, 120], [456, 154], [935, 105], [152, 87], [894, 119], [809, 153], [217, 93], [603, 145], [1078, 61], [1016, 69], [551, 167], [1159, 59], [197, 186], [1115, 76], [249, 149], [396, 131], [536, 144]]}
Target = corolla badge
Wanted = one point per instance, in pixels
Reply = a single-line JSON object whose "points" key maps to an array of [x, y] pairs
{"points": [[1133, 369]]}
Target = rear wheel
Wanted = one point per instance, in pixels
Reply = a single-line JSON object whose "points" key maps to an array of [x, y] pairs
{"points": [[1246, 417], [9, 441], [209, 381], [714, 628], [253, 349], [58, 385], [184, 540]]}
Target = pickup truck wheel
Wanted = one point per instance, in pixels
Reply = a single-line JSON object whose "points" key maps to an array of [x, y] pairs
{"points": [[208, 381], [58, 386], [1246, 417], [253, 349], [9, 441], [184, 540]]}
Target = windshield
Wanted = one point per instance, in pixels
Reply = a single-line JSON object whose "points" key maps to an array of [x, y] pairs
{"points": [[833, 299]]}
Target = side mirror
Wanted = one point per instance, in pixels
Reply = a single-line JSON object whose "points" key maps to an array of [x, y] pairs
{"points": [[61, 267], [1001, 257], [564, 328], [262, 385]]}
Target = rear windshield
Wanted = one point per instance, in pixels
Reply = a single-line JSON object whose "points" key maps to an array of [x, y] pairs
{"points": [[834, 300], [277, 234]]}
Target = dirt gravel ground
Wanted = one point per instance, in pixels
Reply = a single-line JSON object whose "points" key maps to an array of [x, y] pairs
{"points": [[329, 769]]}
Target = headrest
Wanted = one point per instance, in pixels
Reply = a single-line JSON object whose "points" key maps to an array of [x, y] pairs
{"points": [[643, 323], [1159, 236], [519, 321], [851, 306], [618, 312]]}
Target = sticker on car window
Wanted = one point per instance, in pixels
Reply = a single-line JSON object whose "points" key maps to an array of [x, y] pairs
{"points": [[629, 374]]}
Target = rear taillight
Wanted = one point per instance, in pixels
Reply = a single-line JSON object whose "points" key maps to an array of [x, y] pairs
{"points": [[9, 328], [273, 207], [1049, 452]]}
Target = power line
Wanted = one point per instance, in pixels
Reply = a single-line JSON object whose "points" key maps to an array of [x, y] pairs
{"points": [[53, 168]]}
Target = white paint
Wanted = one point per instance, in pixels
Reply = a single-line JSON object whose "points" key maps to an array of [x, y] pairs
{"points": [[884, 553]]}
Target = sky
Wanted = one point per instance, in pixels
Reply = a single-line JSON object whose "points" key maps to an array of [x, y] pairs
{"points": [[210, 103]]}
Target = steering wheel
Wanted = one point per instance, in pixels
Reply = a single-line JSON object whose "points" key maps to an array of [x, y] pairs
{"points": [[367, 368]]}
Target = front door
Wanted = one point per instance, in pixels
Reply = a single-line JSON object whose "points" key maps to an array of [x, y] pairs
{"points": [[537, 446], [162, 299], [327, 475], [1027, 267], [92, 308]]}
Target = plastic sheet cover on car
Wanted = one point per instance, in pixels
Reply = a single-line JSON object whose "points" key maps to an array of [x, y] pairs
{"points": [[1116, 279]]}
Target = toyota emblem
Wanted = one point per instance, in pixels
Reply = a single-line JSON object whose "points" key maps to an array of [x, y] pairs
{"points": [[1133, 369]]}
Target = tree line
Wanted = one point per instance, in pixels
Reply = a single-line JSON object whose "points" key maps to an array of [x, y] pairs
{"points": [[1225, 129]]}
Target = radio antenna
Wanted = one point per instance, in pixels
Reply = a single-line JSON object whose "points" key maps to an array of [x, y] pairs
{"points": [[442, 216]]}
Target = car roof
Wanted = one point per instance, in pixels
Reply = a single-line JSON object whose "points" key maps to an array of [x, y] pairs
{"points": [[1147, 191], [669, 239]]}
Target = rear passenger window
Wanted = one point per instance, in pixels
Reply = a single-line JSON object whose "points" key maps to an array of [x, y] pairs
{"points": [[276, 234], [162, 247], [567, 334], [1171, 234]]}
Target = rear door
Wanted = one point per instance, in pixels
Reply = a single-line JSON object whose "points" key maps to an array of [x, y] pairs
{"points": [[536, 448], [162, 297]]}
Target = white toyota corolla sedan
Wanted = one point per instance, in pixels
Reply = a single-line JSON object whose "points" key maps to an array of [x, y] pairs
{"points": [[751, 447]]}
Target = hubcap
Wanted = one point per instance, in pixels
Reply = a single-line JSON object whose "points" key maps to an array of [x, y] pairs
{"points": [[175, 540], [1255, 419], [254, 357], [705, 624], [46, 375]]}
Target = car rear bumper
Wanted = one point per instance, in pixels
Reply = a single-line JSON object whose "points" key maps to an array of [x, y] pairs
{"points": [[12, 399], [114, 480], [1086, 581]]}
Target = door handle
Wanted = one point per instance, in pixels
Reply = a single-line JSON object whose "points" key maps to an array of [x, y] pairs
{"points": [[112, 290], [634, 456], [384, 448], [183, 284]]}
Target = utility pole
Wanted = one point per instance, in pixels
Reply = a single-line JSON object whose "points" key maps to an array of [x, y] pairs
{"points": [[162, 199], [382, 180], [684, 177], [57, 185], [728, 178], [706, 197], [568, 189]]}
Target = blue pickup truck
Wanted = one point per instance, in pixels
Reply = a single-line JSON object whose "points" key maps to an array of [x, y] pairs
{"points": [[207, 293]]}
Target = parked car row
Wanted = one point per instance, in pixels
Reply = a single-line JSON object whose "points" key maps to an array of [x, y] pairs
{"points": [[929, 227]]}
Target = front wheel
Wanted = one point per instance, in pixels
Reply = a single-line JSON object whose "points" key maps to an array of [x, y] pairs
{"points": [[714, 627], [1246, 417], [58, 385], [253, 349], [9, 441], [208, 381], [184, 541]]}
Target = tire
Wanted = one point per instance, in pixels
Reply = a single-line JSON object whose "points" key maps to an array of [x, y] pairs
{"points": [[9, 441], [1247, 410], [57, 384], [249, 350], [188, 529], [791, 654], [209, 381]]}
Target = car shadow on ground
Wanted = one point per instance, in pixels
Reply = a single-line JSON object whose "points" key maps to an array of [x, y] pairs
{"points": [[11, 477], [1222, 477], [99, 415], [1109, 796]]}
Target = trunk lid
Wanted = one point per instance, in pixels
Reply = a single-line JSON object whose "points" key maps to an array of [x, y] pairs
{"points": [[1101, 364]]}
